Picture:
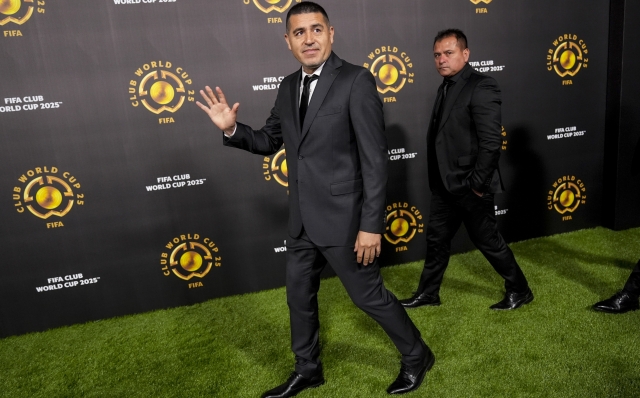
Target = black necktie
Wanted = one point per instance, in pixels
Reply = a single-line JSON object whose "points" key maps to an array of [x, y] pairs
{"points": [[442, 95], [304, 101], [435, 180]]}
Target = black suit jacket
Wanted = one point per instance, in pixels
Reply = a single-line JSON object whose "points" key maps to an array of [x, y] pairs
{"points": [[338, 162], [468, 140]]}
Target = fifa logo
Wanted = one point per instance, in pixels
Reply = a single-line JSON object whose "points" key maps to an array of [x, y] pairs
{"points": [[268, 6], [567, 57], [13, 11], [567, 193], [160, 88], [188, 256], [403, 222], [46, 192], [391, 69]]}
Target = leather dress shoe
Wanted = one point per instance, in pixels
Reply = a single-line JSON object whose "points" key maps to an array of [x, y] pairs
{"points": [[410, 378], [513, 300], [294, 385], [619, 303], [418, 300]]}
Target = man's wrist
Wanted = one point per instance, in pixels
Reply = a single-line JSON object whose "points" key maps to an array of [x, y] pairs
{"points": [[230, 132]]}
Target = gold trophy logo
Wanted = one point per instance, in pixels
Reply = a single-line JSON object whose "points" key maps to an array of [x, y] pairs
{"points": [[481, 1], [276, 168], [13, 11], [403, 222], [389, 67], [188, 256], [567, 193], [46, 192], [161, 88], [568, 56], [267, 6]]}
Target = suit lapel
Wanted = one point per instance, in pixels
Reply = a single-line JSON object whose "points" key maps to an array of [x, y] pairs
{"points": [[452, 95], [326, 79]]}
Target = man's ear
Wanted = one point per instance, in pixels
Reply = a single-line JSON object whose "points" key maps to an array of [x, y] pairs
{"points": [[286, 38]]}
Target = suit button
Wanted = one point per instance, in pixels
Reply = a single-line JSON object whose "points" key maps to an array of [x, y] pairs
{"points": [[300, 157]]}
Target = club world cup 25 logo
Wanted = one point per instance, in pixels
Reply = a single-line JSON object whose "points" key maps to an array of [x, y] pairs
{"points": [[275, 168], [392, 70], [14, 11], [567, 57], [190, 256], [268, 6], [481, 1], [567, 193], [403, 222], [45, 193], [160, 87]]}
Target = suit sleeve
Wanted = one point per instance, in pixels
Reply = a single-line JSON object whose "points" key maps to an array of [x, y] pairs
{"points": [[486, 116], [367, 118], [265, 141]]}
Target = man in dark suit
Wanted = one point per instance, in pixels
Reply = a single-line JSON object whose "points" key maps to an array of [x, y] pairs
{"points": [[463, 148], [329, 116], [626, 299]]}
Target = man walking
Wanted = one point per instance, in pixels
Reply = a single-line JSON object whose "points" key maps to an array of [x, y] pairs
{"points": [[463, 148], [329, 116]]}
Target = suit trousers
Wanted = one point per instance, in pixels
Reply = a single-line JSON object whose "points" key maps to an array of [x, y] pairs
{"points": [[633, 283], [478, 215], [305, 261]]}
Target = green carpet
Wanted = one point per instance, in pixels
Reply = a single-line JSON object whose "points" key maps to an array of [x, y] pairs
{"points": [[239, 346]]}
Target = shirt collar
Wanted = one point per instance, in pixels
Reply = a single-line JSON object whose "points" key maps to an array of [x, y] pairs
{"points": [[316, 72], [456, 77]]}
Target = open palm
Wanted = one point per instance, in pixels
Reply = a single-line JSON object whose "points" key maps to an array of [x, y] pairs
{"points": [[218, 110]]}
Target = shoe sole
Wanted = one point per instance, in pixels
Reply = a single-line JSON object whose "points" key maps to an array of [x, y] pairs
{"points": [[615, 311], [421, 305]]}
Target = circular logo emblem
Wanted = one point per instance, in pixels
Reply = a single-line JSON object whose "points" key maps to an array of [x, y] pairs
{"points": [[402, 223], [566, 195], [567, 56], [188, 256], [276, 168], [46, 193], [13, 11], [391, 68], [267, 6], [160, 88]]}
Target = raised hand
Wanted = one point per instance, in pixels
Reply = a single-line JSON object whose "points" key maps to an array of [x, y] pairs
{"points": [[218, 109]]}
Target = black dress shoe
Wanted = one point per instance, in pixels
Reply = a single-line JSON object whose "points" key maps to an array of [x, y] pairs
{"points": [[619, 303], [410, 378], [294, 385], [418, 300], [513, 300]]}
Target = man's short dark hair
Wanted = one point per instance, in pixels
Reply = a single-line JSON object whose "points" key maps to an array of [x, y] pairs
{"points": [[457, 33], [306, 7]]}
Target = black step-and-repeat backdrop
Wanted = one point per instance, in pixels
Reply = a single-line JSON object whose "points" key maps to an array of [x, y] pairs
{"points": [[117, 196]]}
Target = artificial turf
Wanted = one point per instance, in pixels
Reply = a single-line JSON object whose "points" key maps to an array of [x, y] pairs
{"points": [[239, 346]]}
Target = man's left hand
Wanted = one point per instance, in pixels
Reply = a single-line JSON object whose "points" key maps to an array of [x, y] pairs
{"points": [[367, 247]]}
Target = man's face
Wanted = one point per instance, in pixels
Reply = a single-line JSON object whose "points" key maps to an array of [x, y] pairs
{"points": [[309, 38], [449, 58]]}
